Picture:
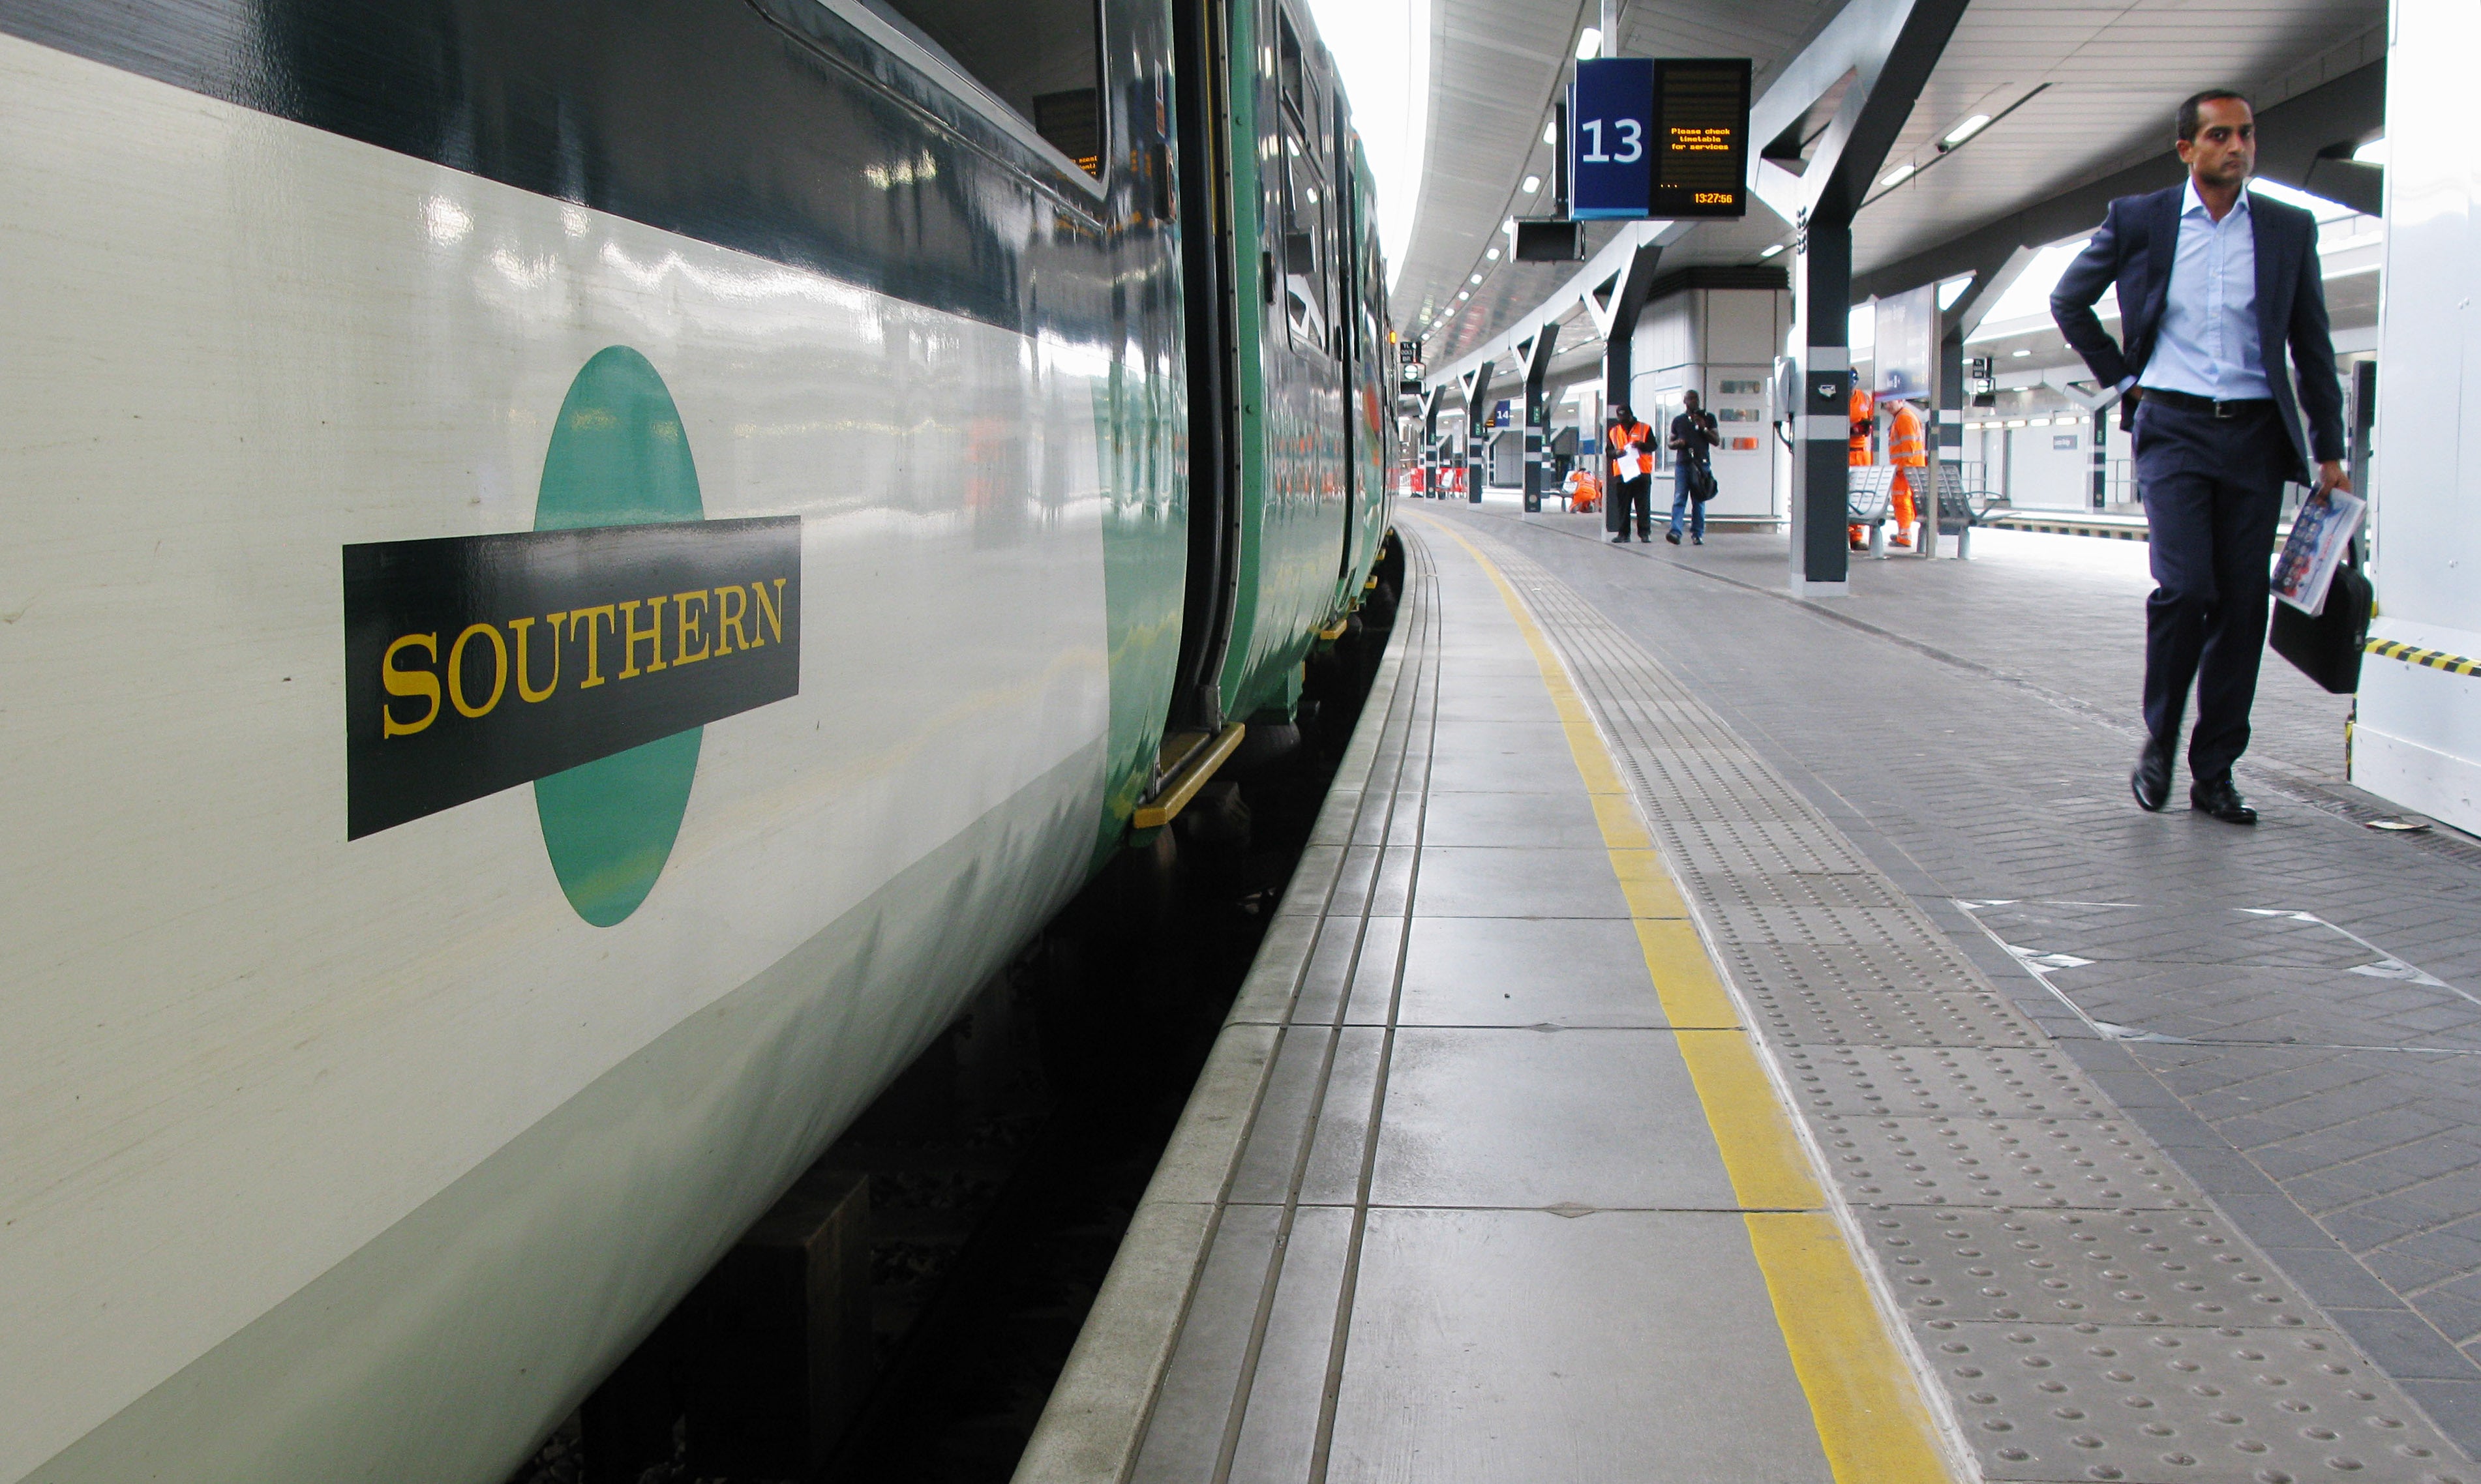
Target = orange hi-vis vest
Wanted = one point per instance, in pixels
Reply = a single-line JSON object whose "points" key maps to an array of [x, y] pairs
{"points": [[1865, 409], [1637, 465], [1904, 443]]}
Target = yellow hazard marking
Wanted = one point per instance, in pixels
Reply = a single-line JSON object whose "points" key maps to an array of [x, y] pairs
{"points": [[1862, 1394], [2426, 658]]}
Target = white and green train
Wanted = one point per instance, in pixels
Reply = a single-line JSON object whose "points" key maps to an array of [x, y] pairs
{"points": [[576, 574]]}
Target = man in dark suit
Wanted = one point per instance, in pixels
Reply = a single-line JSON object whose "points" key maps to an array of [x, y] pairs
{"points": [[2215, 286]]}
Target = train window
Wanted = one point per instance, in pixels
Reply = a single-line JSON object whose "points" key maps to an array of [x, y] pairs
{"points": [[1042, 58], [1287, 62], [1305, 255]]}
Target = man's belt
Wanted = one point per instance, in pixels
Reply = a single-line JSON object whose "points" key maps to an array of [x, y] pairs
{"points": [[2244, 406]]}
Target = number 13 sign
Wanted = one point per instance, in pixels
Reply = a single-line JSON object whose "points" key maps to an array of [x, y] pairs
{"points": [[1610, 117]]}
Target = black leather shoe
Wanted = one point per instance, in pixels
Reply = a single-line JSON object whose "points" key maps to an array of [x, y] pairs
{"points": [[2151, 782], [1620, 539], [2221, 800], [1673, 537]]}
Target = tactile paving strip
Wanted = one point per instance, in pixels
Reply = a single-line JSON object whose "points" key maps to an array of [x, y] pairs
{"points": [[2160, 1346], [2077, 1267], [1830, 1017], [1938, 1160], [1831, 889], [1848, 967], [2165, 1406], [1871, 1081]]}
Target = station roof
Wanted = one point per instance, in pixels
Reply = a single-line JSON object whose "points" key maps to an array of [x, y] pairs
{"points": [[2080, 97]]}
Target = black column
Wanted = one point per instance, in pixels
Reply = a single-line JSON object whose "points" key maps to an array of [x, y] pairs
{"points": [[1537, 411], [1825, 273]]}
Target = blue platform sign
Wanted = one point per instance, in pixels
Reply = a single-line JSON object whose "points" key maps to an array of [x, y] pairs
{"points": [[1611, 137]]}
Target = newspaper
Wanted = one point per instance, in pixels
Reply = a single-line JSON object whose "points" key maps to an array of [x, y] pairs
{"points": [[2320, 535]]}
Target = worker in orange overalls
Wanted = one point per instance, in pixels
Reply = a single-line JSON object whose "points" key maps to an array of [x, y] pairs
{"points": [[1631, 445], [1865, 422], [1910, 452]]}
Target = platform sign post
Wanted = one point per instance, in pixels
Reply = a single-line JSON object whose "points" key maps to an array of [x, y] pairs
{"points": [[1610, 138], [1701, 155]]}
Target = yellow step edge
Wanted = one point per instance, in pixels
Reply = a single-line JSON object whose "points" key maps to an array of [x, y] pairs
{"points": [[1187, 779]]}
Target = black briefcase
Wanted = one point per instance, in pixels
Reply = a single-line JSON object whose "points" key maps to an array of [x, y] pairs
{"points": [[2327, 646]]}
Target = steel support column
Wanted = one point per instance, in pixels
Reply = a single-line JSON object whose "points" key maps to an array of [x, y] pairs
{"points": [[1893, 46], [1536, 355], [1477, 429], [1430, 443]]}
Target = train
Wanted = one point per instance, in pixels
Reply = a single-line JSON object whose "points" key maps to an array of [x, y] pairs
{"points": [[578, 574]]}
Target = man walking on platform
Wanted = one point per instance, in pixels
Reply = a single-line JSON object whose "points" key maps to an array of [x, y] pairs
{"points": [[1632, 450], [2214, 289], [1865, 427], [1692, 434]]}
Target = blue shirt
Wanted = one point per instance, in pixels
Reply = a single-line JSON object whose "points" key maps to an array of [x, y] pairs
{"points": [[2207, 344]]}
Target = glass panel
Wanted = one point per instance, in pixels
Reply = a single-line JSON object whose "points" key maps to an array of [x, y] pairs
{"points": [[1043, 58]]}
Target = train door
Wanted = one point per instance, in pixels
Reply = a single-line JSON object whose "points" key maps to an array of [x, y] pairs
{"points": [[1211, 234]]}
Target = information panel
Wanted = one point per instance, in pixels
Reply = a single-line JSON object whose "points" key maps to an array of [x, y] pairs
{"points": [[1701, 154], [1610, 137]]}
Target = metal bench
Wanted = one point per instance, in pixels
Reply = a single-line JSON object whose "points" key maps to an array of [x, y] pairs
{"points": [[1871, 496]]}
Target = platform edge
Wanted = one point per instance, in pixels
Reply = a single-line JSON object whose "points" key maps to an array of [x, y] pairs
{"points": [[1096, 1418]]}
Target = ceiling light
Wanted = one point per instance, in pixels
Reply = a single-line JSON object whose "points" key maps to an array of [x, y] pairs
{"points": [[1589, 45], [1771, 248], [1533, 183], [1898, 175], [2015, 422], [1968, 129], [1462, 294], [1490, 255], [2024, 352], [2375, 152], [1551, 132], [1477, 278]]}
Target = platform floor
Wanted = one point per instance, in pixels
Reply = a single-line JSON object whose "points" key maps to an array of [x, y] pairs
{"points": [[2074, 1073]]}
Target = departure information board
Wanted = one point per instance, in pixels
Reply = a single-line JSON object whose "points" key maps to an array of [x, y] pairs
{"points": [[1701, 157]]}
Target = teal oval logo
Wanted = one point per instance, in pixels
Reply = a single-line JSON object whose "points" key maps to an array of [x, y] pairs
{"points": [[618, 457]]}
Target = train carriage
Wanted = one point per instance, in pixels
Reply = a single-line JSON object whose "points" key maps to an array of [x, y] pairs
{"points": [[580, 573]]}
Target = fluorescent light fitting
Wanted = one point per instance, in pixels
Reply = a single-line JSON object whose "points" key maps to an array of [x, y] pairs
{"points": [[2015, 422], [2024, 352], [1462, 294], [1770, 250], [1477, 278], [2375, 152], [1533, 183], [1898, 175], [1490, 255], [1589, 45], [1968, 129]]}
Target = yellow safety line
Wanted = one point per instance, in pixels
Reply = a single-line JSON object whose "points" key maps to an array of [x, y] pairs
{"points": [[1868, 1405], [2426, 658]]}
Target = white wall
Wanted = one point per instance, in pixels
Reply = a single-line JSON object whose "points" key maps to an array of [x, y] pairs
{"points": [[1697, 340], [2419, 735]]}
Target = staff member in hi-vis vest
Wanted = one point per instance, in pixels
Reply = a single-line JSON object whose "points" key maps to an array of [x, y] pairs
{"points": [[1909, 451], [1864, 425], [1632, 450]]}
